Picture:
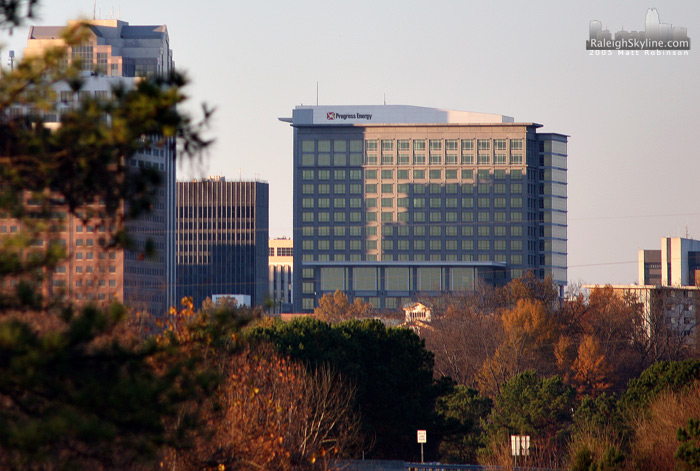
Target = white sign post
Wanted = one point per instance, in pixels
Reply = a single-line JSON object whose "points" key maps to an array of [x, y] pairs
{"points": [[422, 438], [519, 446]]}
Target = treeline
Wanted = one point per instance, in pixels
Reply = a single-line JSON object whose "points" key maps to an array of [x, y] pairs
{"points": [[595, 381]]}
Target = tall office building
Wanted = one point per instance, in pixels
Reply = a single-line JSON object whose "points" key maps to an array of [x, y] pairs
{"points": [[113, 54], [391, 202], [222, 239]]}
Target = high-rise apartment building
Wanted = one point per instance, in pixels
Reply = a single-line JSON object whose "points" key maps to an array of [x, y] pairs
{"points": [[676, 264], [113, 55], [222, 239], [391, 202]]}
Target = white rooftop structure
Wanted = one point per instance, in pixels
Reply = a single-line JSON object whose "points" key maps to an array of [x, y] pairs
{"points": [[344, 115]]}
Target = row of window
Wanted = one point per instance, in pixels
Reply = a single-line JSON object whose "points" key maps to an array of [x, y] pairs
{"points": [[409, 257], [410, 188], [437, 159], [412, 216], [389, 145], [356, 160], [416, 231], [281, 251], [416, 174], [415, 202], [432, 245]]}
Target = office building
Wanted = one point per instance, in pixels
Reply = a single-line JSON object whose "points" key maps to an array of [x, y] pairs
{"points": [[113, 54], [281, 264], [667, 289], [676, 264], [222, 239], [393, 201]]}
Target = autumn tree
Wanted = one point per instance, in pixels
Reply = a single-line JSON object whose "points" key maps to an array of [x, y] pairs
{"points": [[336, 308], [462, 337], [530, 333]]}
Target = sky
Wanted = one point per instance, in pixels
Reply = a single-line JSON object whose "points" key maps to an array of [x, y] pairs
{"points": [[632, 166]]}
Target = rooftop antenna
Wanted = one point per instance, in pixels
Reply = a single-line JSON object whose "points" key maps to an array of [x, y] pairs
{"points": [[94, 10], [316, 92], [11, 61], [385, 98], [240, 177]]}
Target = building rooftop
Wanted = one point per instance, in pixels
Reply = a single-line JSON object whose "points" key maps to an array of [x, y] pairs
{"points": [[346, 115]]}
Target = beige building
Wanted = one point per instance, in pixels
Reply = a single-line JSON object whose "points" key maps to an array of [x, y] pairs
{"points": [[281, 263], [113, 55]]}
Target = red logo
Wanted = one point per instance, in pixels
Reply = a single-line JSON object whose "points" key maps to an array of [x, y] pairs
{"points": [[330, 116]]}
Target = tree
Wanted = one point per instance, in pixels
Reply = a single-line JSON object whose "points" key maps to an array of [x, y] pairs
{"points": [[674, 376], [590, 370], [336, 308], [464, 413], [389, 367], [688, 452], [540, 407], [74, 392], [530, 333]]}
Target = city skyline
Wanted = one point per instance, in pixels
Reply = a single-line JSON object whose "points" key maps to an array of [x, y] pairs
{"points": [[630, 132]]}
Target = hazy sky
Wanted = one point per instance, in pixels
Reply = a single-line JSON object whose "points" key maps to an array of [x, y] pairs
{"points": [[634, 172]]}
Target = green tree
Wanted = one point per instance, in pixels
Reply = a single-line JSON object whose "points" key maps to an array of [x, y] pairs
{"points": [[78, 390], [540, 407], [463, 412], [688, 452], [389, 367], [662, 376]]}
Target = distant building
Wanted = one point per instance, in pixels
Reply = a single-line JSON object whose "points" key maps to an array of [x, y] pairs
{"points": [[222, 239], [668, 287], [281, 263], [113, 54], [676, 264], [392, 202], [418, 312]]}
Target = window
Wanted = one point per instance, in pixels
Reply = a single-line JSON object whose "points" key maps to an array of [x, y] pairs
{"points": [[435, 174], [307, 189], [370, 188], [435, 159], [418, 145], [483, 144], [387, 174], [371, 159], [403, 144], [371, 174], [324, 159], [499, 159], [387, 145], [339, 174], [404, 159], [435, 145], [516, 144], [516, 159], [451, 174], [516, 174], [387, 188], [451, 159], [387, 159], [499, 144], [356, 174], [371, 202], [483, 158], [339, 188], [451, 144], [402, 174], [340, 145], [324, 189], [324, 174], [355, 188], [387, 202], [435, 202], [419, 174], [419, 202]]}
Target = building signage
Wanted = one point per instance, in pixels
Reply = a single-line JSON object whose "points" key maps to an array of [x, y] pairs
{"points": [[332, 116]]}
